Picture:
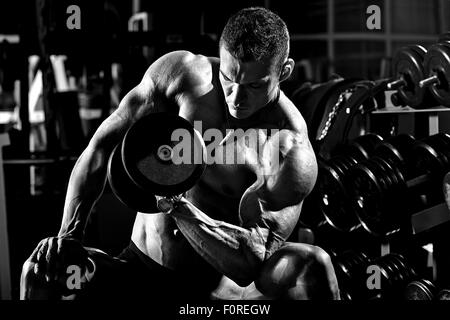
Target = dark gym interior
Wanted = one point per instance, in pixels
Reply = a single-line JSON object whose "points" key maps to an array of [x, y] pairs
{"points": [[380, 133]]}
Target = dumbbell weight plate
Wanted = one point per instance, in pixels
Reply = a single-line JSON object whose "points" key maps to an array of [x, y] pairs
{"points": [[437, 62], [124, 189], [443, 147], [373, 204], [149, 168], [361, 147], [444, 294], [396, 150], [420, 290], [408, 64], [350, 267], [334, 201], [429, 162]]}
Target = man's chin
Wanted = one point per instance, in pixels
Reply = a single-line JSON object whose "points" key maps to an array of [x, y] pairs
{"points": [[239, 113]]}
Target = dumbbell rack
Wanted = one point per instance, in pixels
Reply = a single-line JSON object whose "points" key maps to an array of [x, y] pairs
{"points": [[430, 217], [433, 113]]}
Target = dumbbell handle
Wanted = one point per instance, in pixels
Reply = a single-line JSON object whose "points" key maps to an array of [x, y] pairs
{"points": [[418, 180], [396, 84], [429, 81]]}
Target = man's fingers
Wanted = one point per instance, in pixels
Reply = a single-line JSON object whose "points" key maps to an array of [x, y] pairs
{"points": [[41, 262], [34, 254], [51, 258]]}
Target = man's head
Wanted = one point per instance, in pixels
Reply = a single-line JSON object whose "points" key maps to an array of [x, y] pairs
{"points": [[254, 50]]}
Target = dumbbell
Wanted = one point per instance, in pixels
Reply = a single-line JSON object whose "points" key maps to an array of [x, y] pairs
{"points": [[142, 165], [350, 267], [384, 191], [420, 289], [330, 192], [409, 71], [355, 270], [437, 72], [396, 272]]}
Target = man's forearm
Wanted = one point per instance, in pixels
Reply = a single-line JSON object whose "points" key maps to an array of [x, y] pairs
{"points": [[235, 251], [85, 187]]}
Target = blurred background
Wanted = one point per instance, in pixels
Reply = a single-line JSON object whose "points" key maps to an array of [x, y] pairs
{"points": [[58, 84]]}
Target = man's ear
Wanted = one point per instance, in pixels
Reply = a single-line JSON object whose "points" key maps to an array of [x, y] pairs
{"points": [[287, 69]]}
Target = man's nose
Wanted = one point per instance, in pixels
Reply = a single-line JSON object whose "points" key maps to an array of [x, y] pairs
{"points": [[238, 94]]}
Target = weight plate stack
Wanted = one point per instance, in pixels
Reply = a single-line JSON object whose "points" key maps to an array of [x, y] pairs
{"points": [[375, 192], [350, 267], [335, 204], [396, 273], [397, 151]]}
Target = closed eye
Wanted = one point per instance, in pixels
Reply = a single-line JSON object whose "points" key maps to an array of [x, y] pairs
{"points": [[224, 76], [255, 85]]}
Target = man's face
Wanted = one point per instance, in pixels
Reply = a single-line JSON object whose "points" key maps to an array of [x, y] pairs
{"points": [[248, 86]]}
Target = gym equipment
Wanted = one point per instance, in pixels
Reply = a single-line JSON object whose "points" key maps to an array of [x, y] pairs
{"points": [[350, 268], [385, 192], [396, 150], [396, 273], [437, 71], [409, 71], [446, 189], [361, 147], [330, 192], [443, 294], [421, 289], [146, 162], [361, 277]]}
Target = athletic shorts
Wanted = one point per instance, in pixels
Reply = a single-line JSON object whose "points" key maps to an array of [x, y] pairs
{"points": [[141, 278]]}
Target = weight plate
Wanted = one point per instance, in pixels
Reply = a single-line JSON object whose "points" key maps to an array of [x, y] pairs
{"points": [[369, 198], [444, 294], [334, 202], [152, 168], [396, 150], [425, 160], [437, 63], [408, 65], [362, 147], [420, 290], [125, 190]]}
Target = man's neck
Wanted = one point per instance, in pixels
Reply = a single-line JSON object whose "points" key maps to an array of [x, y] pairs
{"points": [[256, 118]]}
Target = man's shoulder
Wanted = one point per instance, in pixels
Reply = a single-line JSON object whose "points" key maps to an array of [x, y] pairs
{"points": [[178, 70], [183, 61], [293, 119]]}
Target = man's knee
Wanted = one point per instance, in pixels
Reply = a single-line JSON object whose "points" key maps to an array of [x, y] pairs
{"points": [[298, 271]]}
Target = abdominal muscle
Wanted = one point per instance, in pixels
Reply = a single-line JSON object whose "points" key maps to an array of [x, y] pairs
{"points": [[158, 236]]}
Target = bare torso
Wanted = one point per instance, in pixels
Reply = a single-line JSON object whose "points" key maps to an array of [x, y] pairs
{"points": [[219, 191]]}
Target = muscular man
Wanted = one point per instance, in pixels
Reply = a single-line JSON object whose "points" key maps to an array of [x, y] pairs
{"points": [[231, 228]]}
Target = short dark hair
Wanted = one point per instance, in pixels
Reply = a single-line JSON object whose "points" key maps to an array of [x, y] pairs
{"points": [[254, 34]]}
